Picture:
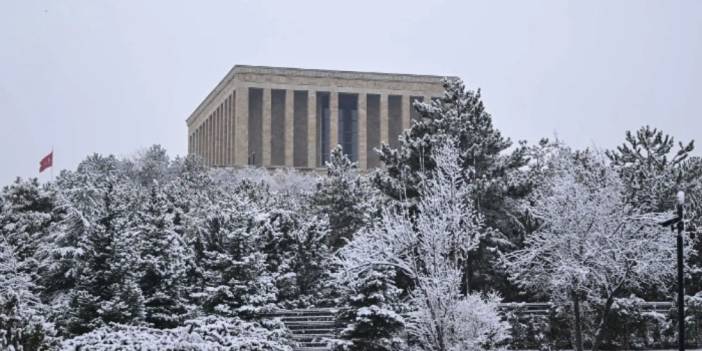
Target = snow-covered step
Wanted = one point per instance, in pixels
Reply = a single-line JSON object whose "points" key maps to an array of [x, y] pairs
{"points": [[311, 325], [312, 337], [302, 331], [312, 328], [307, 318]]}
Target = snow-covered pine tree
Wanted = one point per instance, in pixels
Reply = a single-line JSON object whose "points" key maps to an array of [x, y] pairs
{"points": [[490, 167], [311, 261], [294, 244], [162, 256], [195, 196], [371, 315], [692, 169], [150, 165], [106, 290], [23, 322], [343, 198], [234, 276], [80, 199], [652, 170], [27, 214]]}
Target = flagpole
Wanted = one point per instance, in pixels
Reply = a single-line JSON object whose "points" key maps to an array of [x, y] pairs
{"points": [[52, 163]]}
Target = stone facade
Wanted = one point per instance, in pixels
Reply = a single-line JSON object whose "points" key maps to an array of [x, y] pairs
{"points": [[289, 117]]}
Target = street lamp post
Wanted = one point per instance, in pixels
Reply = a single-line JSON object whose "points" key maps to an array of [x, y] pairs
{"points": [[680, 224], [681, 284]]}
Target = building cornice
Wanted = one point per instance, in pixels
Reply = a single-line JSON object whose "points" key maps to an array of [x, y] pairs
{"points": [[321, 73], [309, 73]]}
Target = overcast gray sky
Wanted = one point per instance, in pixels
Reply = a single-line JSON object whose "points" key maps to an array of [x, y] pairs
{"points": [[118, 76]]}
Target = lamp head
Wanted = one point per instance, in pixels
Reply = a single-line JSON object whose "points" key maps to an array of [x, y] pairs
{"points": [[681, 197]]}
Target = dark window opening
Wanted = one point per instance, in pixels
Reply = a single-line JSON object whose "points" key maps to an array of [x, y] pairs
{"points": [[323, 114], [348, 125]]}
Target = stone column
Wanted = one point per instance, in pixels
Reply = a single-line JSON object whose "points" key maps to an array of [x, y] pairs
{"points": [[266, 128], [312, 129], [225, 134], [362, 132], [213, 137], [333, 119], [222, 134], [210, 143], [198, 143], [384, 119], [201, 138], [242, 126], [229, 128], [208, 140], [213, 130], [406, 113], [232, 129], [289, 126], [203, 141], [217, 136]]}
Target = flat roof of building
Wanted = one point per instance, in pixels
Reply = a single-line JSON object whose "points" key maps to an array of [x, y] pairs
{"points": [[324, 73], [314, 73]]}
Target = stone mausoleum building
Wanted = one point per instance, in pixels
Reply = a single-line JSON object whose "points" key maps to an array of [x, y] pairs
{"points": [[289, 117]]}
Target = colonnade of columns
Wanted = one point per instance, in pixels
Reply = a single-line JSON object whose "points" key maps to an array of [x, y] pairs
{"points": [[231, 133], [213, 139]]}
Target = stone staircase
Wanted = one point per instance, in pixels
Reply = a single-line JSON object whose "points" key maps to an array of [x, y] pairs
{"points": [[312, 329]]}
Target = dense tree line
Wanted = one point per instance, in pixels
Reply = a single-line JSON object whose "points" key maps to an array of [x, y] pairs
{"points": [[418, 253]]}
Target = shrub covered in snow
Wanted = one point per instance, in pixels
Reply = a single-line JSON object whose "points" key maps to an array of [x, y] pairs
{"points": [[209, 333], [467, 323]]}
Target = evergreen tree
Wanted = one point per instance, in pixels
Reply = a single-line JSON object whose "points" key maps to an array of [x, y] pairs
{"points": [[652, 170], [23, 323], [296, 253], [161, 263], [488, 164], [234, 275], [342, 197], [195, 197], [152, 164], [692, 168], [371, 319], [81, 199], [105, 288], [27, 215]]}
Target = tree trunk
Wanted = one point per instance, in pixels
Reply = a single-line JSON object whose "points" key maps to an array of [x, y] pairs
{"points": [[603, 322], [578, 329], [467, 275]]}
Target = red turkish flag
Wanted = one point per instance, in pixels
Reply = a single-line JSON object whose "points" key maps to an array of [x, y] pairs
{"points": [[46, 162]]}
